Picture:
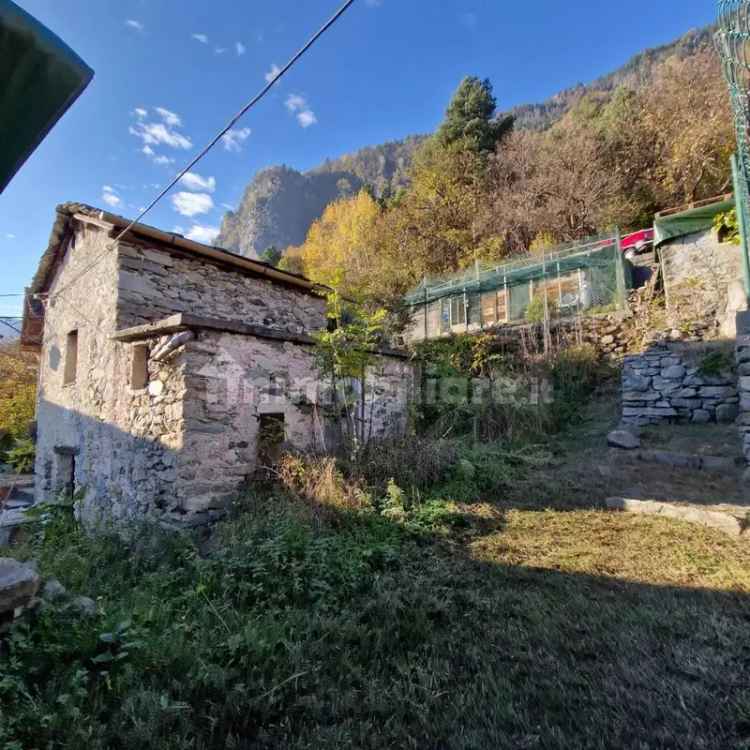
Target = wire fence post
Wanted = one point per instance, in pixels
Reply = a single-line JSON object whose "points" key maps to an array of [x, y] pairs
{"points": [[741, 207]]}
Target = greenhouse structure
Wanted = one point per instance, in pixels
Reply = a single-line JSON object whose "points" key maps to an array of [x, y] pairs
{"points": [[577, 278]]}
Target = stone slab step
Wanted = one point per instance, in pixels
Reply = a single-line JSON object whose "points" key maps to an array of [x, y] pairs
{"points": [[697, 462], [16, 480], [730, 519]]}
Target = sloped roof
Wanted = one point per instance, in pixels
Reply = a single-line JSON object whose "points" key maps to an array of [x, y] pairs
{"points": [[67, 213]]}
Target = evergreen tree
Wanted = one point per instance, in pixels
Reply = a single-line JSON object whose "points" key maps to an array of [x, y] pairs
{"points": [[470, 118], [271, 255]]}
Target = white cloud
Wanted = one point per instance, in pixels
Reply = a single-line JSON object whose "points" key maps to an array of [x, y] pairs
{"points": [[131, 23], [220, 50], [156, 133], [10, 236], [202, 38], [163, 160], [306, 118], [110, 197], [228, 206], [170, 118], [275, 70], [193, 181], [298, 105], [192, 204], [203, 233], [140, 113], [239, 48], [295, 102], [148, 151], [234, 138], [178, 229]]}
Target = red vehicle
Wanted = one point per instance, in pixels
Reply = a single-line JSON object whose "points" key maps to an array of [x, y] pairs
{"points": [[637, 242]]}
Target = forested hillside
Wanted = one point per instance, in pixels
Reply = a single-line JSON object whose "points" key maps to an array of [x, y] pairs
{"points": [[635, 74], [614, 151], [483, 189]]}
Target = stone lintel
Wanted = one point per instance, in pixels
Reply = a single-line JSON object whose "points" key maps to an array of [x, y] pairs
{"points": [[187, 321]]}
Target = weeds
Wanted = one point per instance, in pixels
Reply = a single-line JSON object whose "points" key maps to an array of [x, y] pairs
{"points": [[291, 631]]}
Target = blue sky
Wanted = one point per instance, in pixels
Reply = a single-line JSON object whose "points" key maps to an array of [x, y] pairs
{"points": [[170, 73]]}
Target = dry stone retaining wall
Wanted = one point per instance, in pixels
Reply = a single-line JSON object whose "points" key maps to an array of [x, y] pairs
{"points": [[661, 385], [743, 370]]}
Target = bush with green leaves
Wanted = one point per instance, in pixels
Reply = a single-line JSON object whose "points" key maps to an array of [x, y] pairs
{"points": [[21, 456]]}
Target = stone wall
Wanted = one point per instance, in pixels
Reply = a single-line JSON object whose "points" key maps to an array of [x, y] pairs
{"points": [[232, 380], [154, 283], [699, 272], [116, 444], [665, 384], [742, 353]]}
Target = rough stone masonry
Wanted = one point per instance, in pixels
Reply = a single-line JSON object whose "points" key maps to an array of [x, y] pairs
{"points": [[162, 361], [662, 385], [742, 356]]}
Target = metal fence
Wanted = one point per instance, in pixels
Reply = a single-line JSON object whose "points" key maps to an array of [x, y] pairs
{"points": [[733, 42], [558, 282]]}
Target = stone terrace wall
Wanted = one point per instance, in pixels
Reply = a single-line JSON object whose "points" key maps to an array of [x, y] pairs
{"points": [[743, 370], [698, 272], [662, 386], [154, 283]]}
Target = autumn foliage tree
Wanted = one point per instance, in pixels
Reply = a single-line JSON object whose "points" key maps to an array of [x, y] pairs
{"points": [[480, 191]]}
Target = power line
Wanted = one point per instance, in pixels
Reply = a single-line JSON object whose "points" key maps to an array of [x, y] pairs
{"points": [[20, 294], [5, 322], [340, 12]]}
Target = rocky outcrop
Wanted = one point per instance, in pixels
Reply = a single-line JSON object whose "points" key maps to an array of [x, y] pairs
{"points": [[280, 204], [18, 586]]}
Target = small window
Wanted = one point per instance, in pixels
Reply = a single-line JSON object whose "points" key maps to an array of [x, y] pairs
{"points": [[139, 367], [458, 310], [71, 358], [494, 307]]}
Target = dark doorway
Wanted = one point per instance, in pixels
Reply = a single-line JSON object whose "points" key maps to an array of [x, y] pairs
{"points": [[65, 479], [271, 436]]}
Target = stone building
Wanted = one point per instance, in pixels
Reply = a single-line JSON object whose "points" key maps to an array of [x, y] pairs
{"points": [[168, 368]]}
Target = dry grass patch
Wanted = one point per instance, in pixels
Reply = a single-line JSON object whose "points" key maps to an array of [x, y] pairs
{"points": [[650, 550]]}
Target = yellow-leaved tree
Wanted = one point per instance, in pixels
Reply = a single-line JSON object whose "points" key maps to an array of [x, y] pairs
{"points": [[338, 248]]}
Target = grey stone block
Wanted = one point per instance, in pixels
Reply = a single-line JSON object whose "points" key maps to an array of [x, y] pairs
{"points": [[675, 372], [718, 392], [727, 413], [18, 584], [701, 416]]}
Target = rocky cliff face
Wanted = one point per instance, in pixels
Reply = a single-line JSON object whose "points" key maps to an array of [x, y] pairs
{"points": [[280, 203]]}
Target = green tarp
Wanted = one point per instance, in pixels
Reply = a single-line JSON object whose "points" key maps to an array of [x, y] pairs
{"points": [[40, 77], [686, 222]]}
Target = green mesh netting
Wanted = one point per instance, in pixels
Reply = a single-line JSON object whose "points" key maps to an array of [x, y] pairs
{"points": [[575, 277], [733, 42]]}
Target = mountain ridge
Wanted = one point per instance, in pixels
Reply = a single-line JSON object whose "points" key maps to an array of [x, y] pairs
{"points": [[280, 203]]}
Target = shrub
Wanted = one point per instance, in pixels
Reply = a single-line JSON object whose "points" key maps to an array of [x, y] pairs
{"points": [[413, 463], [21, 456], [727, 227], [715, 363], [536, 310]]}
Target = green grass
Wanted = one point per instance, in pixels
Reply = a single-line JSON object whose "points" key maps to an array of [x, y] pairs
{"points": [[447, 626]]}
